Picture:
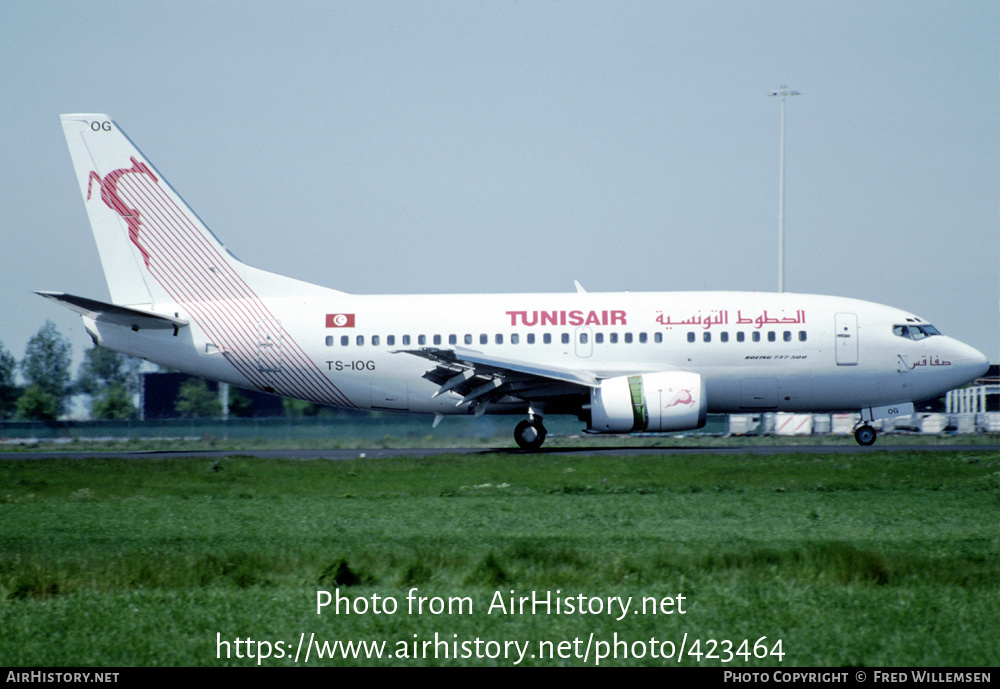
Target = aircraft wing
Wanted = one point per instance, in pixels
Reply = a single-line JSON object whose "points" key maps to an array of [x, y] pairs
{"points": [[137, 319], [480, 378]]}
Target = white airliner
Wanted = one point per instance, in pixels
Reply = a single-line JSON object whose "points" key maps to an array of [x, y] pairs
{"points": [[620, 362]]}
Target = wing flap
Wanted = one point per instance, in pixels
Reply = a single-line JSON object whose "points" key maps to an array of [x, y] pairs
{"points": [[480, 379], [483, 364]]}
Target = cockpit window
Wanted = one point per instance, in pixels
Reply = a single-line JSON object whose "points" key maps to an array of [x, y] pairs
{"points": [[914, 332]]}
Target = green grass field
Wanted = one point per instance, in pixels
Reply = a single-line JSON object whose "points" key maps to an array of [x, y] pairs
{"points": [[876, 559]]}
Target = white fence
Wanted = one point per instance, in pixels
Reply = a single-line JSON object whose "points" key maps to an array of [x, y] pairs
{"points": [[965, 413], [786, 424], [971, 400]]}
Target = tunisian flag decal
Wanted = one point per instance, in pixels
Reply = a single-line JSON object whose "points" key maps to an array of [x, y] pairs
{"points": [[340, 320]]}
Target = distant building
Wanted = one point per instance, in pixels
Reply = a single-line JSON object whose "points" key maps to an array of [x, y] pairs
{"points": [[158, 397]]}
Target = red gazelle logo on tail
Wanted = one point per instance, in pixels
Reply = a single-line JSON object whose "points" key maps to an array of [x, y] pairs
{"points": [[109, 194]]}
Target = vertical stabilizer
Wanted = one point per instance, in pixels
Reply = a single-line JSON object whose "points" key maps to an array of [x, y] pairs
{"points": [[103, 161], [153, 247]]}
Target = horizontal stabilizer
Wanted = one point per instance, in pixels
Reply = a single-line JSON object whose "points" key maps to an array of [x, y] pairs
{"points": [[137, 319]]}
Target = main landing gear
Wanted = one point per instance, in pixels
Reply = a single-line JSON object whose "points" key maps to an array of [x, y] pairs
{"points": [[864, 434], [530, 434]]}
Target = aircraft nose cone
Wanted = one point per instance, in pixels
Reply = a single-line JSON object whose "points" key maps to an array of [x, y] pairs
{"points": [[983, 363], [971, 362]]}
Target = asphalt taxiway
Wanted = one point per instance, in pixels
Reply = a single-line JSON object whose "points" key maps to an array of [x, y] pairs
{"points": [[606, 451]]}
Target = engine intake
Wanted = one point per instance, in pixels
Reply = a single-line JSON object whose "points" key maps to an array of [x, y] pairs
{"points": [[665, 401]]}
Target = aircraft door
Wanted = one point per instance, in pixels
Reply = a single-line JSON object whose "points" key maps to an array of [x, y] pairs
{"points": [[584, 342], [846, 327], [269, 337]]}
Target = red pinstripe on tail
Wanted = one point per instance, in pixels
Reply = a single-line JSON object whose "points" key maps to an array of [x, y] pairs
{"points": [[194, 270]]}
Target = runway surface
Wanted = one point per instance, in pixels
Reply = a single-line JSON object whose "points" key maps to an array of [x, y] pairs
{"points": [[383, 453]]}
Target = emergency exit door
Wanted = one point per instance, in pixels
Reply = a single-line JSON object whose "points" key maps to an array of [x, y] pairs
{"points": [[846, 333]]}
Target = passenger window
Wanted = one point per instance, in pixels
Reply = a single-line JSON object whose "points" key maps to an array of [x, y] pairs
{"points": [[484, 338], [613, 338], [453, 339], [467, 339], [599, 338], [390, 340], [421, 339], [375, 340], [802, 336], [690, 337], [498, 338], [329, 340], [642, 338], [514, 338], [547, 338], [361, 340], [706, 336], [344, 340], [628, 338], [406, 339], [658, 338], [741, 336], [565, 338], [724, 337], [755, 337], [531, 338], [787, 336], [771, 336], [437, 339], [583, 338]]}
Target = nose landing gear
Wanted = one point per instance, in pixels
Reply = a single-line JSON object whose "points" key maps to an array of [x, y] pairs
{"points": [[865, 435]]}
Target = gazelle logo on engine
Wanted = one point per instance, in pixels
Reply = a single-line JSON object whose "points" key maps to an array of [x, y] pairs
{"points": [[340, 320], [681, 397]]}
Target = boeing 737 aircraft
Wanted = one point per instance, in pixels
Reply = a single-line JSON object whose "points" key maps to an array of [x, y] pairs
{"points": [[620, 362]]}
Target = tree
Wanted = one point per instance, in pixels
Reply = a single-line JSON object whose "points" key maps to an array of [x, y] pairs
{"points": [[113, 402], [299, 408], [194, 399], [239, 405], [9, 391], [37, 404], [102, 367], [110, 379], [45, 367]]}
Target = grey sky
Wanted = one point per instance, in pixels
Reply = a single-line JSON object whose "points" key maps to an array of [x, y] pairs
{"points": [[422, 147]]}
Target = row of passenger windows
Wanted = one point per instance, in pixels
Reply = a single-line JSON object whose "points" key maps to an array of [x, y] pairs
{"points": [[530, 338], [755, 336], [515, 338]]}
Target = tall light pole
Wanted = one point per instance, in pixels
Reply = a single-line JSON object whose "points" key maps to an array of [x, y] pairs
{"points": [[783, 92]]}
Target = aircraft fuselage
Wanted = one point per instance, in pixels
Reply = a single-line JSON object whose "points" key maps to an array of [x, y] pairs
{"points": [[756, 351]]}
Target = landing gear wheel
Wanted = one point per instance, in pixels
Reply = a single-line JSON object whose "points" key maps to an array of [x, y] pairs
{"points": [[529, 435], [865, 435]]}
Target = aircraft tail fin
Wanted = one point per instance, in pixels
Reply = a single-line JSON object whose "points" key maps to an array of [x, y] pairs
{"points": [[153, 247]]}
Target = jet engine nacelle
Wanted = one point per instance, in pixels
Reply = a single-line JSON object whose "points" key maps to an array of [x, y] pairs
{"points": [[666, 401]]}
